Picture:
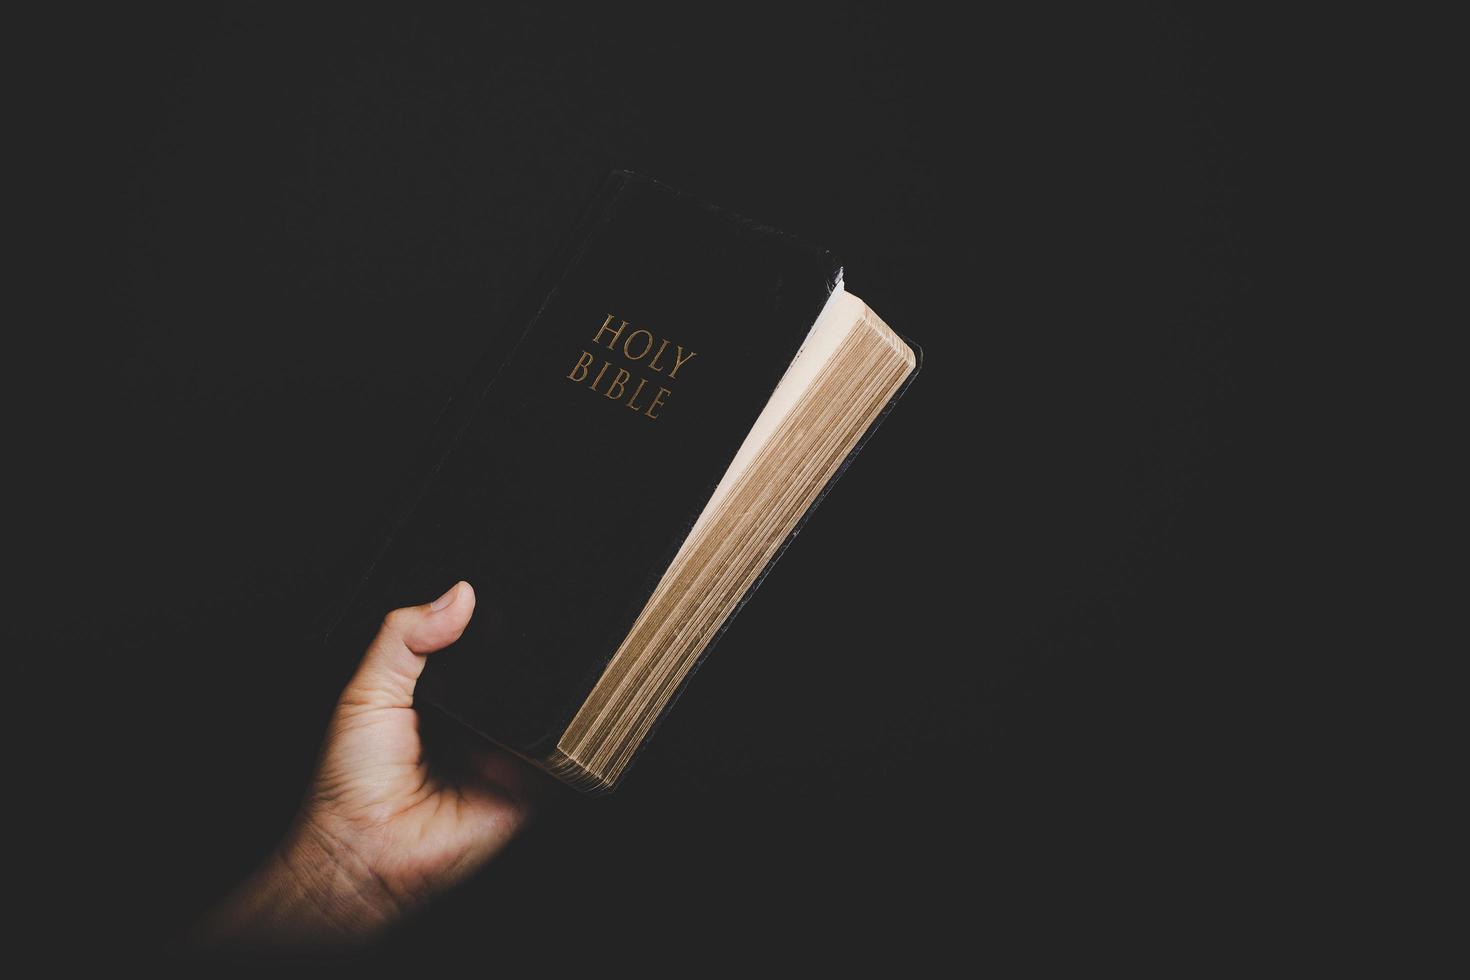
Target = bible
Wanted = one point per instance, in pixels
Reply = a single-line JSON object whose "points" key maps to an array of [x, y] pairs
{"points": [[688, 384]]}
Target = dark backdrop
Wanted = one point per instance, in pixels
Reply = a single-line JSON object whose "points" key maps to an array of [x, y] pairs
{"points": [[989, 690]]}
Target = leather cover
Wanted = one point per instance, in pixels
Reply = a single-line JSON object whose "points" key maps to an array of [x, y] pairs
{"points": [[561, 496]]}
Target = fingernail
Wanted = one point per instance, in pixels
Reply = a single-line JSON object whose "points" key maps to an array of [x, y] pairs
{"points": [[446, 600]]}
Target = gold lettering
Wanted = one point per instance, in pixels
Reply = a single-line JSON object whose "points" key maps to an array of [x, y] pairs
{"points": [[637, 357], [597, 338], [618, 382], [633, 398], [653, 365], [598, 380], [618, 389], [658, 400], [584, 362], [679, 358]]}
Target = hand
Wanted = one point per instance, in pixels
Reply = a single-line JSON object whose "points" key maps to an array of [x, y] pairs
{"points": [[379, 832]]}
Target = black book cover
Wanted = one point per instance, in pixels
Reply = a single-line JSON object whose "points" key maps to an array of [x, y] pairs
{"points": [[570, 469]]}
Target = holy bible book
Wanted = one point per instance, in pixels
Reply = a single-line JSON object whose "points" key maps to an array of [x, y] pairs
{"points": [[688, 385]]}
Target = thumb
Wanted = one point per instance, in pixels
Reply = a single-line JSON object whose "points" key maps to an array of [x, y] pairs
{"points": [[394, 660]]}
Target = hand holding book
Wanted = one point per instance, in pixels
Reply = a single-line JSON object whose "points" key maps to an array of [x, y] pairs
{"points": [[380, 831], [614, 546]]}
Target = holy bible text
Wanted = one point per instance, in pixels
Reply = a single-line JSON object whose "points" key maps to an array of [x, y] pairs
{"points": [[635, 347]]}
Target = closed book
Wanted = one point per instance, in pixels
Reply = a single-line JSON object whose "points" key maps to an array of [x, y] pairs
{"points": [[687, 386]]}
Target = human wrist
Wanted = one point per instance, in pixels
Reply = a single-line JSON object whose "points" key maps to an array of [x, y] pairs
{"points": [[329, 885], [310, 892]]}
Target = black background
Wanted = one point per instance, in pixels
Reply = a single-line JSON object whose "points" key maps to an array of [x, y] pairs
{"points": [[989, 693]]}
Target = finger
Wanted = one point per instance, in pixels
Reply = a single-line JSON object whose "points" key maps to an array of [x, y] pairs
{"points": [[390, 669], [525, 785], [510, 791]]}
